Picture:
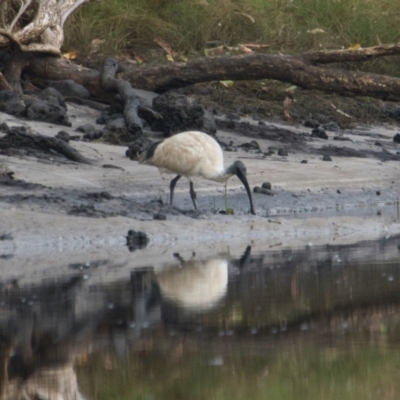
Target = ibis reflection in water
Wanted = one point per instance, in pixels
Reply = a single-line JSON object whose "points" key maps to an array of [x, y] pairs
{"points": [[194, 154]]}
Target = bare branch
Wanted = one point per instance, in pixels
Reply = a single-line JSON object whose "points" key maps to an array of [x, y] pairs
{"points": [[18, 16], [68, 7]]}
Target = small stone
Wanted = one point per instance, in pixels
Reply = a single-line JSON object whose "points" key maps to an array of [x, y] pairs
{"points": [[378, 192], [257, 189], [342, 138], [266, 185], [63, 135], [338, 191], [4, 127], [87, 128], [253, 145], [319, 133], [89, 136], [159, 217], [326, 158], [378, 143], [396, 138], [303, 161], [262, 123], [282, 152]]}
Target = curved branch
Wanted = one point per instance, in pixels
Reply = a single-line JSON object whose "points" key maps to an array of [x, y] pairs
{"points": [[292, 69], [19, 14]]}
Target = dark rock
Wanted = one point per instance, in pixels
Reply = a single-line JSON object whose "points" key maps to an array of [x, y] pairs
{"points": [[266, 185], [378, 143], [11, 103], [180, 115], [52, 95], [39, 110], [6, 236], [261, 123], [157, 125], [136, 240], [331, 126], [269, 153], [93, 135], [273, 148], [303, 161], [69, 88], [282, 152], [63, 135], [338, 191], [378, 193], [341, 138], [116, 124], [87, 128], [4, 127], [160, 217], [396, 138], [311, 123], [253, 145], [116, 130], [102, 119], [319, 133], [326, 158]]}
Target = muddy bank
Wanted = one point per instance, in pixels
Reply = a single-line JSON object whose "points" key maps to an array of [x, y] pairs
{"points": [[343, 188]]}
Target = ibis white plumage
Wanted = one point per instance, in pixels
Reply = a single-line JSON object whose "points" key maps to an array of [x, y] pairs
{"points": [[193, 154]]}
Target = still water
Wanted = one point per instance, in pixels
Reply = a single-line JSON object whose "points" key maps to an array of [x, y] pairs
{"points": [[306, 323]]}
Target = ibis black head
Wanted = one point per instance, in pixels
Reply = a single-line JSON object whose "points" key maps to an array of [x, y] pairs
{"points": [[239, 169]]}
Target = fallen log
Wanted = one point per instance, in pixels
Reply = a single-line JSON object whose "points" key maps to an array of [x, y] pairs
{"points": [[291, 69], [298, 70]]}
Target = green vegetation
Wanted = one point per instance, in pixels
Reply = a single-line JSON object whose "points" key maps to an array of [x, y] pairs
{"points": [[256, 372], [190, 25]]}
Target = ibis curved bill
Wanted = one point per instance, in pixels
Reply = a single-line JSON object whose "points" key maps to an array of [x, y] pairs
{"points": [[193, 154]]}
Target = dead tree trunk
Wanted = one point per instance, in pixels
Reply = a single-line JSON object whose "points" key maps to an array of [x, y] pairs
{"points": [[37, 26]]}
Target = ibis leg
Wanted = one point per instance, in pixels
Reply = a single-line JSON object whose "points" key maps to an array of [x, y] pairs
{"points": [[172, 187], [226, 196], [193, 195]]}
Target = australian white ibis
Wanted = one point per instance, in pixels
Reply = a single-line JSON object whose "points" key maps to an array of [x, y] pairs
{"points": [[193, 154]]}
